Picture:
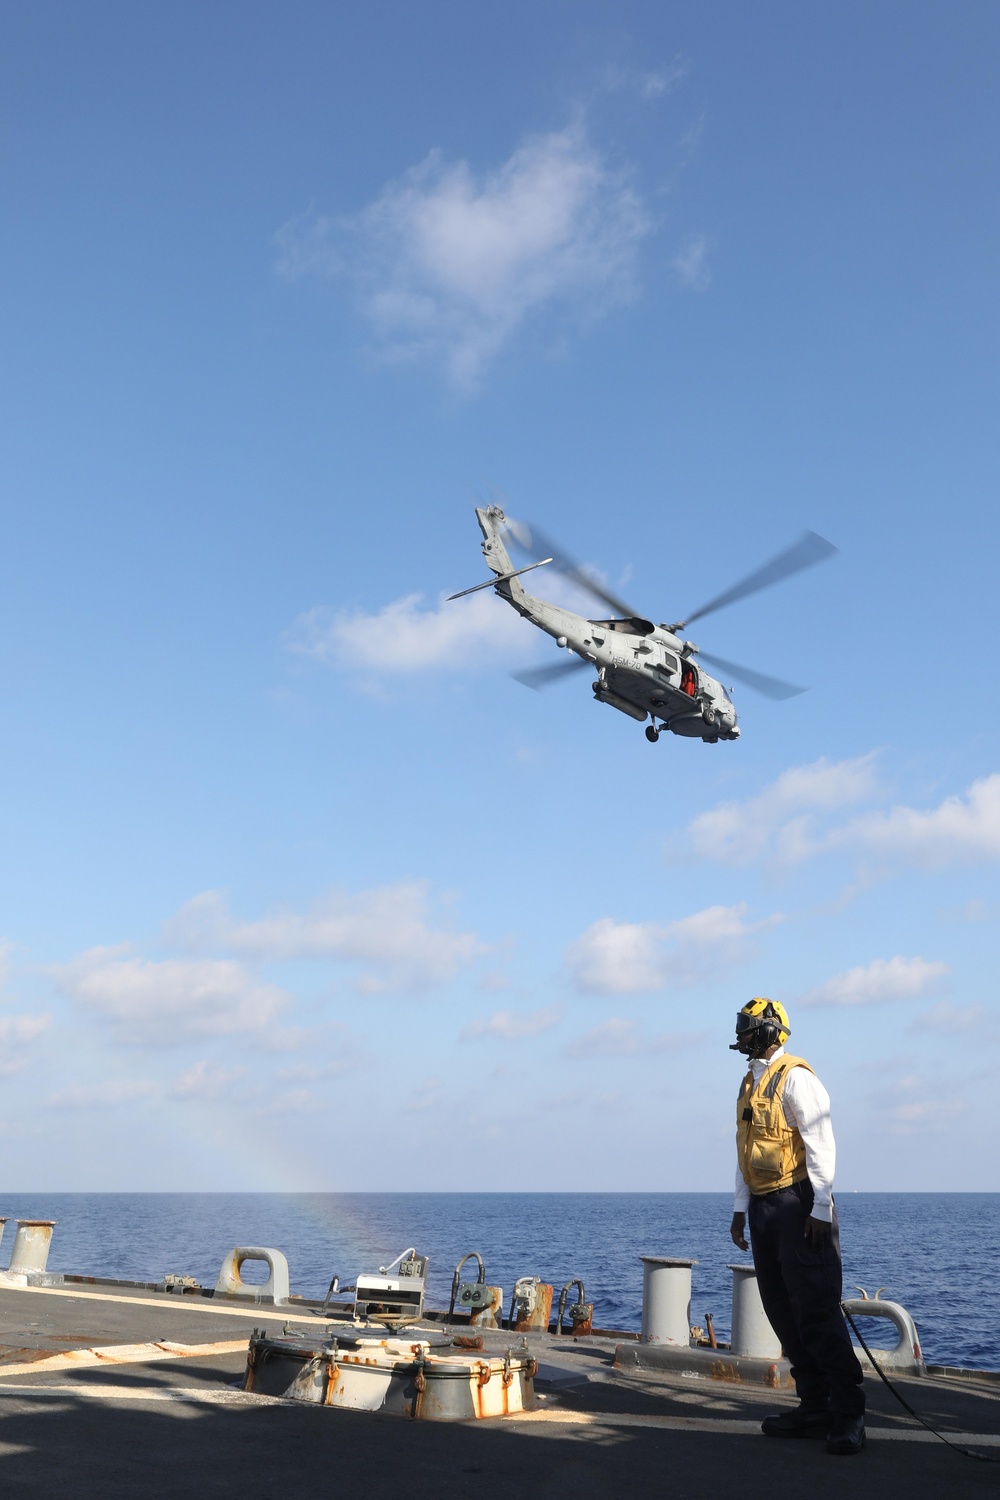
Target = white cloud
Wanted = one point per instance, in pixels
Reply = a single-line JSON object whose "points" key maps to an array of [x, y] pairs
{"points": [[913, 1106], [16, 1036], [779, 823], [663, 81], [299, 1101], [105, 1095], [790, 821], [317, 1072], [449, 264], [881, 980], [912, 1115], [387, 929], [982, 1021], [18, 1031], [628, 958], [512, 1025], [426, 1096], [206, 1082], [6, 948], [617, 1037], [649, 84], [406, 637], [690, 264], [961, 830], [281, 1038], [162, 1003]]}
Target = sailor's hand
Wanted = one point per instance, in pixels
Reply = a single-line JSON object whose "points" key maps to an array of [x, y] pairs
{"points": [[817, 1232], [736, 1233]]}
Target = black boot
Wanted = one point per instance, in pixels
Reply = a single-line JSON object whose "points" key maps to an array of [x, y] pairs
{"points": [[846, 1436], [799, 1422]]}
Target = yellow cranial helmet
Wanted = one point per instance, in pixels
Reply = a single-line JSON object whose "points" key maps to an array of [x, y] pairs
{"points": [[761, 1024]]}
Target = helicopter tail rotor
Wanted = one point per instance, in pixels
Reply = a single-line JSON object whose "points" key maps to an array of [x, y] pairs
{"points": [[532, 540]]}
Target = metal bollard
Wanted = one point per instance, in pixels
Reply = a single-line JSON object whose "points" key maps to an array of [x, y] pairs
{"points": [[907, 1355], [31, 1245], [752, 1333], [666, 1300]]}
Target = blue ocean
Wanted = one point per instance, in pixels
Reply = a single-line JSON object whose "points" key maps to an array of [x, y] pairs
{"points": [[933, 1252]]}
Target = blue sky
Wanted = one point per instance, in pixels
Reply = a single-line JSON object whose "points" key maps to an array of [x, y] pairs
{"points": [[299, 888]]}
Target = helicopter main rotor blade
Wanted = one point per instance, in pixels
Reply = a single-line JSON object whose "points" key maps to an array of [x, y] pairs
{"points": [[535, 542], [771, 687], [805, 553], [542, 677]]}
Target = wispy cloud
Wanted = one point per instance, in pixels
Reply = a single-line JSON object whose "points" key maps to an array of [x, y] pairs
{"points": [[342, 1056], [649, 84], [512, 1025], [17, 1033], [912, 1106], [883, 979], [388, 929], [618, 1037], [106, 1095], [629, 958], [407, 637], [690, 264], [206, 1082], [449, 264], [427, 1095], [659, 82], [162, 1004], [979, 1021]]}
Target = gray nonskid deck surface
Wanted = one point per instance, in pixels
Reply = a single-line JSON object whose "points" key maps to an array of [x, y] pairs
{"points": [[35, 1320], [182, 1426]]}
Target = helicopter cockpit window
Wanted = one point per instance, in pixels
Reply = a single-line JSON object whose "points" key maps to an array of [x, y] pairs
{"points": [[633, 626]]}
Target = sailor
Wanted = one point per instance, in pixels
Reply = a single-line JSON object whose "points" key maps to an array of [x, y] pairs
{"points": [[784, 1178]]}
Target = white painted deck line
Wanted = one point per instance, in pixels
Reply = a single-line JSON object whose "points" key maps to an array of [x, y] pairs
{"points": [[202, 1395], [736, 1428], [118, 1354], [251, 1312]]}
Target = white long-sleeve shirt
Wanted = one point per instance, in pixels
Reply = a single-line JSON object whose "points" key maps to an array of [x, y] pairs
{"points": [[806, 1104]]}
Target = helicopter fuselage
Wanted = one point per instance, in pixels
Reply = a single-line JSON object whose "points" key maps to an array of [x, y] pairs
{"points": [[642, 669]]}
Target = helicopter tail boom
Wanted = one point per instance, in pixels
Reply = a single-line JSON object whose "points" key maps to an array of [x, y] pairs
{"points": [[491, 520]]}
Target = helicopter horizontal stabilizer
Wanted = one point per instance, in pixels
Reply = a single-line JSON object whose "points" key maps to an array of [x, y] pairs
{"points": [[500, 578]]}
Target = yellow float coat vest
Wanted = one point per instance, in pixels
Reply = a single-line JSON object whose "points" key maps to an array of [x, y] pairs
{"points": [[769, 1150]]}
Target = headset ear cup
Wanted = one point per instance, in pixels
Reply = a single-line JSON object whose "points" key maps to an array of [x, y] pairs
{"points": [[769, 1035]]}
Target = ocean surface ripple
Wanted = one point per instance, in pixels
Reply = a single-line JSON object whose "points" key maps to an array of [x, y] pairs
{"points": [[933, 1252]]}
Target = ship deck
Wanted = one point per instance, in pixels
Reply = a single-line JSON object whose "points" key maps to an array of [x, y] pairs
{"points": [[118, 1391]]}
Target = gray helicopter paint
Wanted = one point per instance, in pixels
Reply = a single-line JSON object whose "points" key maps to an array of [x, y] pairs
{"points": [[642, 671]]}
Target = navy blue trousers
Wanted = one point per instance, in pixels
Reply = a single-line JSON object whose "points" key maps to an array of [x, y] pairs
{"points": [[801, 1290]]}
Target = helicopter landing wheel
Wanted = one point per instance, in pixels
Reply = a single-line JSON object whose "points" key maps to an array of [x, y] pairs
{"points": [[652, 733]]}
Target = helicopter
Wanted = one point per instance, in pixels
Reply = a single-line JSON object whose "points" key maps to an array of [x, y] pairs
{"points": [[644, 670]]}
